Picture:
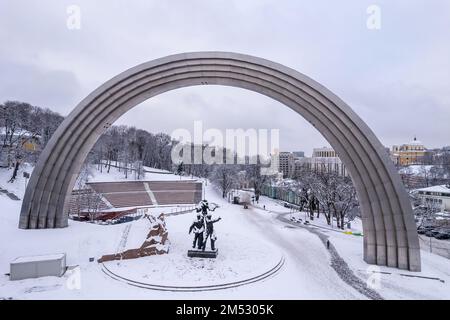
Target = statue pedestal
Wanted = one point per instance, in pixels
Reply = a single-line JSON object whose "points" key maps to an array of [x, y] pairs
{"points": [[202, 254]]}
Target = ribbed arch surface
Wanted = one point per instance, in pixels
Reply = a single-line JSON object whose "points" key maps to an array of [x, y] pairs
{"points": [[390, 236]]}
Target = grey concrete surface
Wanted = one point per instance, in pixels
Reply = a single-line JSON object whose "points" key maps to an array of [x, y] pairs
{"points": [[389, 228], [38, 266]]}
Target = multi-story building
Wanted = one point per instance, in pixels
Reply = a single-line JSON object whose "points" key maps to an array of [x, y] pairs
{"points": [[409, 153], [286, 163], [438, 196], [299, 154], [323, 160]]}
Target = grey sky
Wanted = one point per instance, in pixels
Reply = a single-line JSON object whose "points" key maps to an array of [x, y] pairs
{"points": [[396, 78]]}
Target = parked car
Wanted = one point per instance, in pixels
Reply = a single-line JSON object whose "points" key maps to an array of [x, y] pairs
{"points": [[443, 234], [429, 233], [423, 230], [433, 232]]}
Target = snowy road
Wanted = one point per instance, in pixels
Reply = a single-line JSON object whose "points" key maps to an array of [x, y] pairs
{"points": [[306, 258]]}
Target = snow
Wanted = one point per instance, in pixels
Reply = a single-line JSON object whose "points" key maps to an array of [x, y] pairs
{"points": [[249, 241], [137, 233], [19, 185], [441, 188], [18, 132], [154, 170], [39, 258], [177, 269], [119, 175], [416, 169], [391, 283]]}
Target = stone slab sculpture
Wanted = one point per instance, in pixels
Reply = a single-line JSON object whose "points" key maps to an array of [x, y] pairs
{"points": [[155, 243]]}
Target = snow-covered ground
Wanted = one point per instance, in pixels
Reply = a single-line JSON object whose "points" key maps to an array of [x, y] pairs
{"points": [[244, 236], [116, 174], [415, 169], [177, 269], [433, 282], [19, 185]]}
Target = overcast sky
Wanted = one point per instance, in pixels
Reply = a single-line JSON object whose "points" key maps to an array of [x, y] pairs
{"points": [[396, 78]]}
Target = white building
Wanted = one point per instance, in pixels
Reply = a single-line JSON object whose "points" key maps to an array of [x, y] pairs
{"points": [[322, 160], [439, 195]]}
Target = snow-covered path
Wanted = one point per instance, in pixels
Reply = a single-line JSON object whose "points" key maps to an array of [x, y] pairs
{"points": [[306, 257]]}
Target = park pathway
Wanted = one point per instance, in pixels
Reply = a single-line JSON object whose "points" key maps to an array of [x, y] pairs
{"points": [[9, 194]]}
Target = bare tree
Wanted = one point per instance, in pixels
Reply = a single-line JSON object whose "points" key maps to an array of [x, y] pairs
{"points": [[325, 189], [93, 202], [254, 176], [425, 174], [345, 202], [224, 177], [21, 124], [424, 210]]}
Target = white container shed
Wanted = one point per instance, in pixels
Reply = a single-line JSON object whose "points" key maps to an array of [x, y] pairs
{"points": [[38, 266]]}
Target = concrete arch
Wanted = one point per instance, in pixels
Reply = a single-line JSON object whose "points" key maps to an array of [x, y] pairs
{"points": [[388, 224]]}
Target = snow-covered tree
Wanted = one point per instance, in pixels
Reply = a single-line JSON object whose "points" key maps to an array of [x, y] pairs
{"points": [[254, 176], [224, 177], [22, 124]]}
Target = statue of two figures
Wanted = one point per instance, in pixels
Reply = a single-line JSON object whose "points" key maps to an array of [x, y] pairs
{"points": [[203, 228]]}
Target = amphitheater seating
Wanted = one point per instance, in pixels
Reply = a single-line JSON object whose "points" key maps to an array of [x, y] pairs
{"points": [[134, 193]]}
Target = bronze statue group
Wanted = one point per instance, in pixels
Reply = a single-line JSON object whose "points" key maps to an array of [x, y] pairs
{"points": [[203, 227]]}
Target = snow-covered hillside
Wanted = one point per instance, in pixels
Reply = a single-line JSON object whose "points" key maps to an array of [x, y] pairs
{"points": [[94, 174], [19, 185]]}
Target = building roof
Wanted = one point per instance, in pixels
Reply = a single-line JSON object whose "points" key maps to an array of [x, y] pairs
{"points": [[416, 142], [323, 149], [441, 188]]}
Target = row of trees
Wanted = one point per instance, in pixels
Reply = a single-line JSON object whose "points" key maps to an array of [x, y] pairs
{"points": [[328, 193], [422, 176], [236, 176], [24, 131], [131, 149], [320, 192]]}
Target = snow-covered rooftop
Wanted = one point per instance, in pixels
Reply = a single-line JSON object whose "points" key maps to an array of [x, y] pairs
{"points": [[415, 142], [441, 188], [46, 257]]}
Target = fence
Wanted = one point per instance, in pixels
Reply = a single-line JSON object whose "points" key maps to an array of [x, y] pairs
{"points": [[281, 193], [436, 246]]}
